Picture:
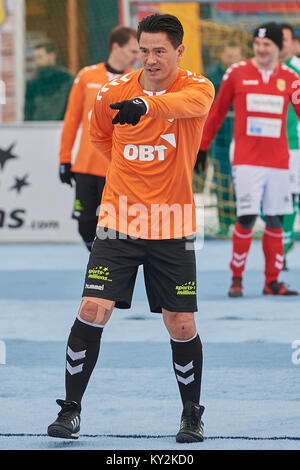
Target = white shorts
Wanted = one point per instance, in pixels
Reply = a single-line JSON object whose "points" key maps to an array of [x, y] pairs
{"points": [[295, 171], [259, 187]]}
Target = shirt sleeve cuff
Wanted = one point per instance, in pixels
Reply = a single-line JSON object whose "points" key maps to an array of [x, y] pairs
{"points": [[146, 104]]}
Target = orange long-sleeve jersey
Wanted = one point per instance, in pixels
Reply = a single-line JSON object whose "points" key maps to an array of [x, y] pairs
{"points": [[80, 104], [148, 191]]}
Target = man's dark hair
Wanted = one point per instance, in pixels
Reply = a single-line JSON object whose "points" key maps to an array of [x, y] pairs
{"points": [[289, 27], [121, 35], [168, 24], [48, 46]]}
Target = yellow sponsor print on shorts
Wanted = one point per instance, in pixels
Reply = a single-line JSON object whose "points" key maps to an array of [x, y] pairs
{"points": [[99, 272], [189, 288], [78, 206]]}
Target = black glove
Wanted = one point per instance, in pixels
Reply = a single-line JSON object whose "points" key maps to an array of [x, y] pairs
{"points": [[200, 164], [130, 111], [65, 173]]}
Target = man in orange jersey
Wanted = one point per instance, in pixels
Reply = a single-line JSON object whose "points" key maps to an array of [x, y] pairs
{"points": [[149, 122], [89, 168]]}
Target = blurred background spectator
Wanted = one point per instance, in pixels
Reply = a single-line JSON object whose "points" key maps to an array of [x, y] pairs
{"points": [[47, 93]]}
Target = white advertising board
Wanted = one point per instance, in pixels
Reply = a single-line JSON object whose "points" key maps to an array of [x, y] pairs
{"points": [[34, 205]]}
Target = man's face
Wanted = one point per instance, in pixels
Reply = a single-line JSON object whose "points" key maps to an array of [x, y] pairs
{"points": [[288, 45], [43, 58], [265, 51], [231, 55], [158, 56], [127, 55]]}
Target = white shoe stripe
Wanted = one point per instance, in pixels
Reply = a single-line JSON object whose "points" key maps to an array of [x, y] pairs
{"points": [[75, 422]]}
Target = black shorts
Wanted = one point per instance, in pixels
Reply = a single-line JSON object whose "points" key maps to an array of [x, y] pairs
{"points": [[88, 194], [169, 272]]}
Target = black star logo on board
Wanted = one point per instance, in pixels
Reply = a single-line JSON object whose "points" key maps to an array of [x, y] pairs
{"points": [[6, 155], [20, 183]]}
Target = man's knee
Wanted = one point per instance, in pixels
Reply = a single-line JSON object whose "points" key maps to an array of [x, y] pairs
{"points": [[95, 311], [274, 221], [181, 326]]}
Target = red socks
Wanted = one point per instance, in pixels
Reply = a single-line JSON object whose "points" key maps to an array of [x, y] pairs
{"points": [[241, 242], [272, 243]]}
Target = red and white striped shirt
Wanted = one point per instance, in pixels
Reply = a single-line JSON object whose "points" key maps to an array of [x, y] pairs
{"points": [[260, 102]]}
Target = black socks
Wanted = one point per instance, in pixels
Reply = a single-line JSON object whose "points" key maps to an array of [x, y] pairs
{"points": [[82, 354], [83, 350], [187, 363]]}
